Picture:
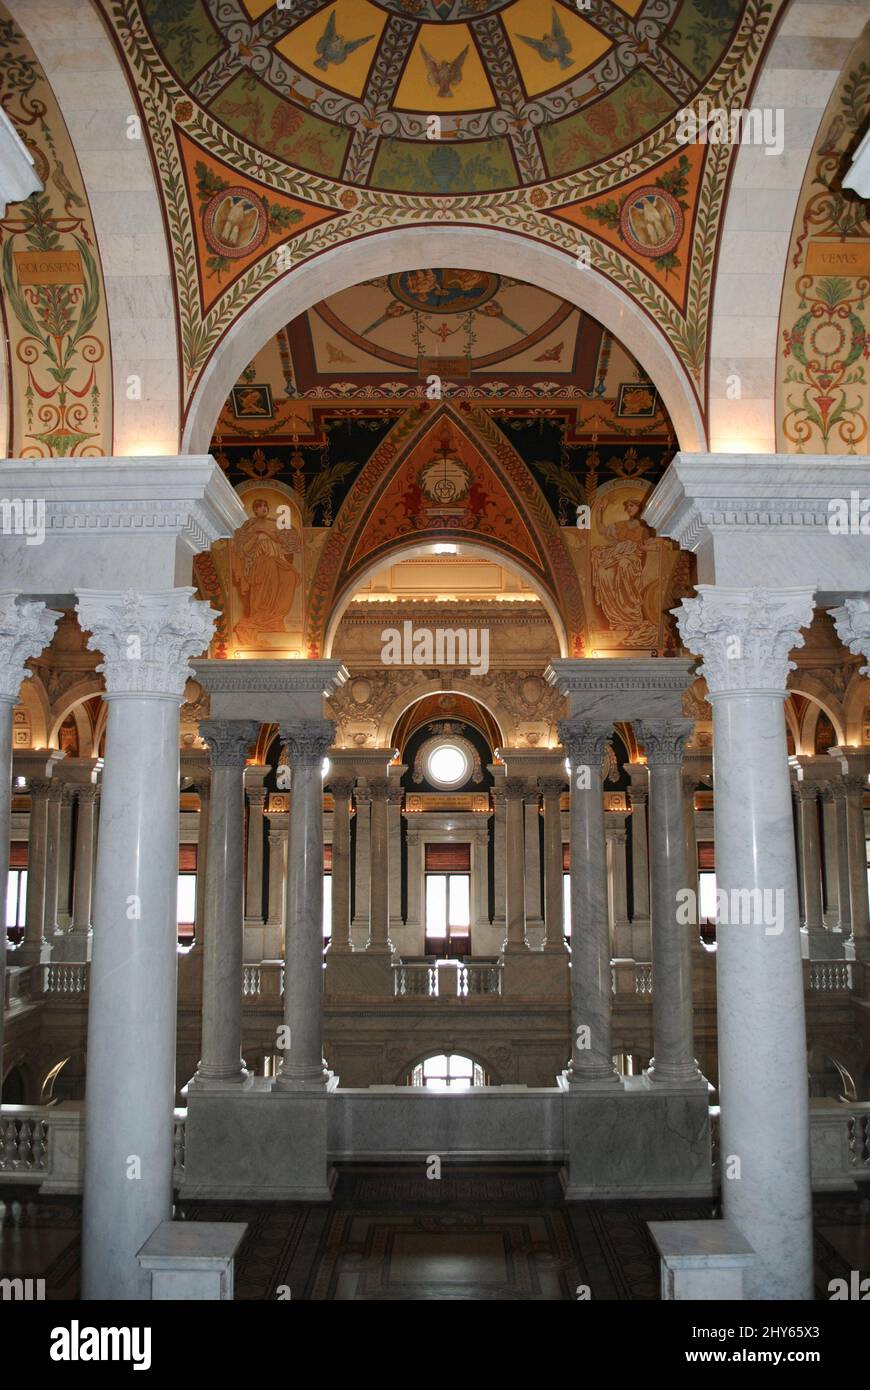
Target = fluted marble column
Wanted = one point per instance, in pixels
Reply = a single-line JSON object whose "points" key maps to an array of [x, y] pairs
{"points": [[362, 860], [303, 1068], [221, 1063], [515, 895], [256, 797], [554, 925], [499, 806], [744, 637], [34, 947], [379, 878], [674, 1062], [806, 797], [83, 874], [146, 640], [584, 741], [50, 928], [340, 938], [25, 630]]}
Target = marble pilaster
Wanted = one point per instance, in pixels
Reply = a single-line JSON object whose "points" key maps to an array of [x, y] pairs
{"points": [[256, 795], [221, 1063], [515, 897], [534, 902], [499, 806], [83, 879], [379, 942], [584, 741], [362, 863], [638, 799], [308, 741], [340, 938], [146, 640], [855, 767], [617, 885], [554, 926], [674, 1063], [395, 798], [276, 916]]}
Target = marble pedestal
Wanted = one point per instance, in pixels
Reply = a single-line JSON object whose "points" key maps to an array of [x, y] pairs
{"points": [[258, 1143], [536, 975], [701, 1260], [192, 1260], [636, 1141], [358, 973]]}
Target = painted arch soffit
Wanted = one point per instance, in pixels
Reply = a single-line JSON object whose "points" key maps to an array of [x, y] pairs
{"points": [[448, 476], [278, 134]]}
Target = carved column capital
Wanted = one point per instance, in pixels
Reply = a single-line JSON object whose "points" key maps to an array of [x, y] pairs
{"points": [[745, 635], [852, 622], [664, 742], [146, 639], [25, 630], [342, 788], [552, 786], [585, 740], [228, 740], [308, 740]]}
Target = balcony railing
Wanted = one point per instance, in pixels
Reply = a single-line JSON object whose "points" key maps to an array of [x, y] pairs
{"points": [[65, 979], [43, 1146], [447, 979], [827, 975]]}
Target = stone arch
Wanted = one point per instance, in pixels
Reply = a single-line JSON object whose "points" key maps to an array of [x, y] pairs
{"points": [[472, 248], [73, 704], [407, 698], [802, 683], [95, 99], [455, 1048], [760, 208], [34, 700], [856, 697]]}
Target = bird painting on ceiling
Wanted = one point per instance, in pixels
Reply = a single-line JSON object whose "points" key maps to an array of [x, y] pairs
{"points": [[65, 188], [553, 47], [332, 48], [444, 73]]}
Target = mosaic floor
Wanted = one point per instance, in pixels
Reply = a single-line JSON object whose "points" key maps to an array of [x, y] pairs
{"points": [[500, 1233]]}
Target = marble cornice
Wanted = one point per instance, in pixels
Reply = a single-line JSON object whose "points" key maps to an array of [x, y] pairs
{"points": [[284, 676]]}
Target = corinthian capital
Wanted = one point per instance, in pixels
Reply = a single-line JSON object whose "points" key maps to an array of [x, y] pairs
{"points": [[664, 742], [25, 630], [308, 740], [228, 740], [585, 740], [852, 622], [745, 635], [146, 639]]}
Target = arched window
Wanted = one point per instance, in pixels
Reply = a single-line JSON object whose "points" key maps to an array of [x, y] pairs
{"points": [[453, 1071]]}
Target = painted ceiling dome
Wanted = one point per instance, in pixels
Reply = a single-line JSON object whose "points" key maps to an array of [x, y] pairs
{"points": [[442, 96]]}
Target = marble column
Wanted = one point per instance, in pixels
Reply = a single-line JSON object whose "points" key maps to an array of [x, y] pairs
{"points": [[479, 883], [499, 805], [379, 942], [83, 873], [256, 797], [638, 798], [554, 925], [146, 640], [229, 742], [279, 831], [810, 863], [51, 930], [674, 1064], [830, 875], [25, 630], [515, 897], [744, 637], [691, 846], [617, 887], [340, 939], [34, 947], [844, 878], [65, 860], [362, 860], [534, 904], [201, 864], [414, 847], [857, 854], [395, 797], [303, 1068], [584, 741]]}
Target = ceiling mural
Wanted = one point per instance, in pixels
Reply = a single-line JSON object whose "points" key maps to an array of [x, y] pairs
{"points": [[279, 133], [53, 300], [822, 386]]}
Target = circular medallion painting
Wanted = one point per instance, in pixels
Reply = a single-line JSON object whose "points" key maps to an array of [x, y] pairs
{"points": [[651, 221], [234, 222], [443, 291]]}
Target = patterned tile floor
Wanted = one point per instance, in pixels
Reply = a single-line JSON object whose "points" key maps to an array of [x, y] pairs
{"points": [[501, 1233]]}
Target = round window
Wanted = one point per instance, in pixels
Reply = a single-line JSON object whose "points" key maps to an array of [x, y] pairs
{"points": [[448, 765]]}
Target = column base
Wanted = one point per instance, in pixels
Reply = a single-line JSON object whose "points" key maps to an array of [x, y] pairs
{"points": [[228, 1085], [579, 1081], [689, 1083]]}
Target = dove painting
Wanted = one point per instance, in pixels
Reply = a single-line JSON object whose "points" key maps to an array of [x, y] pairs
{"points": [[555, 46], [444, 73], [332, 48]]}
